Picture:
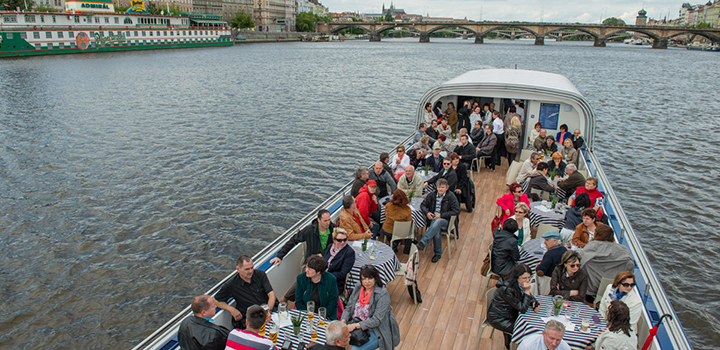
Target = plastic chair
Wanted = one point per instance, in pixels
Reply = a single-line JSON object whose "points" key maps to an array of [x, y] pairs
{"points": [[643, 332], [476, 163], [489, 275], [525, 154], [584, 173], [451, 231], [488, 297], [404, 266], [542, 194], [542, 228], [512, 173], [604, 282], [402, 230]]}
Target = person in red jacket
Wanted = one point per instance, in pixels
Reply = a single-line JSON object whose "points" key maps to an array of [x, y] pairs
{"points": [[507, 202], [367, 203]]}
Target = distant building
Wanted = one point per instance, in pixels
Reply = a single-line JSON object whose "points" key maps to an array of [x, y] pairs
{"points": [[231, 7], [404, 17], [304, 6], [207, 7], [438, 19], [269, 15], [641, 19], [344, 16], [693, 15], [371, 17]]}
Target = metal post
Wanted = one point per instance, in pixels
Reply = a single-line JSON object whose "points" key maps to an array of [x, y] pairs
{"points": [[622, 234]]}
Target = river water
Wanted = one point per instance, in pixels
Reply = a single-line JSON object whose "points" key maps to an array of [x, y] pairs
{"points": [[130, 182]]}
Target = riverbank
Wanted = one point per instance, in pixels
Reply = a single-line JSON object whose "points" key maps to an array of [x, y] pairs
{"points": [[260, 37]]}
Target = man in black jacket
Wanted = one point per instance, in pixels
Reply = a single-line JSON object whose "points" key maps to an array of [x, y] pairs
{"points": [[316, 237], [438, 207], [466, 151], [447, 173], [505, 253], [196, 332]]}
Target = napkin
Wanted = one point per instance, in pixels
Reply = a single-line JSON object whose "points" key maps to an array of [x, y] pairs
{"points": [[281, 322], [562, 319]]}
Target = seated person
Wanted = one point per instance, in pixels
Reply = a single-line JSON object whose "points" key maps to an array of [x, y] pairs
{"points": [[486, 147], [508, 201], [385, 160], [463, 190], [523, 232], [316, 237], [623, 289], [557, 164], [540, 140], [538, 179], [447, 173], [596, 197], [411, 182], [602, 257], [196, 332], [553, 255], [466, 151], [528, 167], [417, 157], [569, 153], [367, 204], [573, 216], [464, 132], [370, 303], [549, 147], [351, 221], [249, 287], [444, 128], [396, 210], [578, 141], [618, 335], [563, 134], [337, 337], [568, 279], [420, 132], [432, 131], [585, 231], [551, 338], [511, 298], [439, 206], [535, 132], [399, 161], [435, 161], [361, 177], [250, 337], [424, 143], [505, 252], [383, 179], [444, 144], [477, 133], [340, 257], [573, 181], [317, 285]]}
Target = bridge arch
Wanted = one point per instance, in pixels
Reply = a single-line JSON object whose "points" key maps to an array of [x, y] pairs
{"points": [[648, 33], [534, 33], [349, 25], [708, 36], [438, 28], [586, 31]]}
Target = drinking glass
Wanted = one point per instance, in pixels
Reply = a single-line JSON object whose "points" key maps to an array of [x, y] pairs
{"points": [[585, 325], [310, 307], [313, 332], [323, 313], [282, 309], [274, 333]]}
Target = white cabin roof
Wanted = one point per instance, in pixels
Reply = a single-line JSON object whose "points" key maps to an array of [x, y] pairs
{"points": [[517, 77]]}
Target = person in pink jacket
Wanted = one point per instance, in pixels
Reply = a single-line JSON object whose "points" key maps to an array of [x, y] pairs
{"points": [[508, 201]]}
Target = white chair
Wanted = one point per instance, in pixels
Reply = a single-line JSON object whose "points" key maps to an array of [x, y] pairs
{"points": [[604, 282], [403, 266], [584, 173], [542, 228], [489, 275], [488, 297], [476, 162], [512, 173], [643, 331], [402, 230], [451, 231], [525, 154], [413, 258]]}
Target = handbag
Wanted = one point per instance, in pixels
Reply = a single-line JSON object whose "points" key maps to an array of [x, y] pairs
{"points": [[495, 223], [486, 263], [359, 336]]}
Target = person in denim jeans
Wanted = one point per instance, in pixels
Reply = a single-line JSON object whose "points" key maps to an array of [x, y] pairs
{"points": [[438, 207]]}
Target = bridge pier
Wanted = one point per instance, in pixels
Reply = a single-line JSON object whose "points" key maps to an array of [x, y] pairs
{"points": [[464, 36], [424, 38], [599, 42], [559, 38], [660, 43], [539, 40], [479, 39], [375, 37]]}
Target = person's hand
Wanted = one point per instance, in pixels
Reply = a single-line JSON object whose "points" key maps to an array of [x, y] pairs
{"points": [[574, 293], [397, 161], [430, 216], [507, 212], [526, 286], [372, 224], [235, 314], [275, 261], [368, 234], [402, 187], [425, 185], [458, 191], [561, 180]]}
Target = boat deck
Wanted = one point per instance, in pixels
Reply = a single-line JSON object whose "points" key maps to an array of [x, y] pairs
{"points": [[452, 308]]}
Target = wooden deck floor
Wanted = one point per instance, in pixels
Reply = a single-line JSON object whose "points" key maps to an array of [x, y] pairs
{"points": [[452, 308]]}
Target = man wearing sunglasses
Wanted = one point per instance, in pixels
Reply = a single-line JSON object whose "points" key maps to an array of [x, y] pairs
{"points": [[438, 208], [447, 173]]}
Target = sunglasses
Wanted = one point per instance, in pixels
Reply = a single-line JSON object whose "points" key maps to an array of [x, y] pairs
{"points": [[574, 265], [518, 191], [628, 285], [341, 239], [446, 163], [520, 211]]}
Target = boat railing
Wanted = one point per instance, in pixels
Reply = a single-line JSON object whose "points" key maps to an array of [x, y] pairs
{"points": [[653, 293], [261, 260]]}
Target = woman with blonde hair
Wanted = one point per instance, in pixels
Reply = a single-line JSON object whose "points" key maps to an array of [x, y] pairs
{"points": [[569, 152], [521, 212], [512, 139]]}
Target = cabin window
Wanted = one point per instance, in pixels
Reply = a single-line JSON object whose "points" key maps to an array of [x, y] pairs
{"points": [[37, 47], [127, 34], [143, 33], [171, 33], [107, 20], [9, 18], [77, 19], [184, 33], [135, 34], [110, 33], [23, 35], [127, 20], [29, 18], [158, 33], [164, 33], [92, 34], [151, 33], [97, 19], [8, 35], [60, 35], [117, 20], [36, 35], [42, 18], [71, 34], [54, 19]]}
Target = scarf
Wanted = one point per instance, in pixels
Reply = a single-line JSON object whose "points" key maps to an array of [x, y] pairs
{"points": [[616, 294], [333, 252], [357, 220], [364, 297]]}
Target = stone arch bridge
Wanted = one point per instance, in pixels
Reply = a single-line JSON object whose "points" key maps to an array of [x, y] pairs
{"points": [[600, 32]]}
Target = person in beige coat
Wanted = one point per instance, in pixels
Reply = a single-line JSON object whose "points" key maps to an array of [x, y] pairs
{"points": [[351, 221]]}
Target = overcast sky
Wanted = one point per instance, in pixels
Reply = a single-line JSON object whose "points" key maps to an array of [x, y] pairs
{"points": [[584, 11]]}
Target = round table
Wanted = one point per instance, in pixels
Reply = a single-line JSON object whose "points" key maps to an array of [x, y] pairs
{"points": [[286, 331], [384, 261], [417, 215], [533, 322], [531, 253], [539, 214]]}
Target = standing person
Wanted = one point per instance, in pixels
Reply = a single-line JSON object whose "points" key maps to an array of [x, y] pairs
{"points": [[196, 332], [317, 285], [463, 189], [464, 116], [438, 207], [507, 121], [316, 237], [512, 297], [477, 115], [250, 338], [428, 115], [487, 147], [249, 287], [370, 304], [513, 135], [568, 279], [499, 131], [438, 110], [452, 116]]}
